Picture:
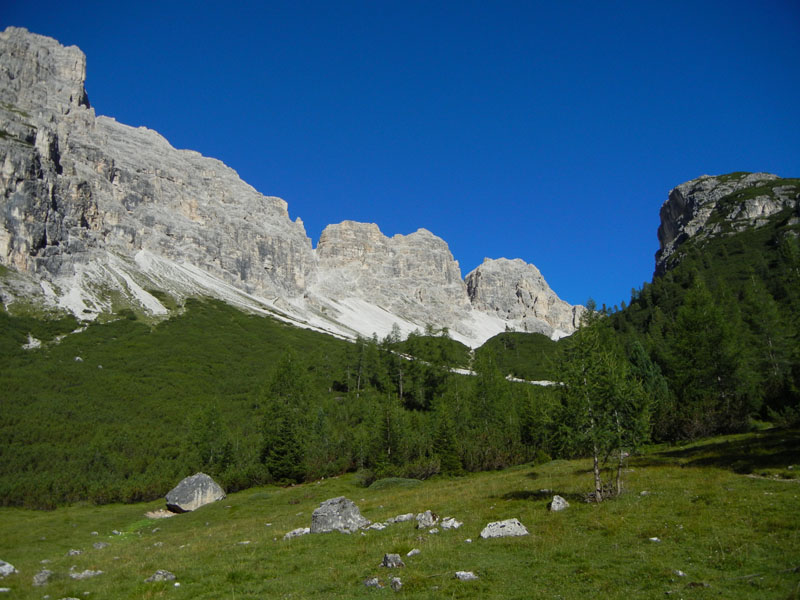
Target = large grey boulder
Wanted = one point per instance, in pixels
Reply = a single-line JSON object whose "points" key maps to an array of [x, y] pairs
{"points": [[193, 492], [507, 528], [337, 514], [6, 568]]}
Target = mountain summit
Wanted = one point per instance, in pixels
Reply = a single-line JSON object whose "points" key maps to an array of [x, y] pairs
{"points": [[96, 216]]}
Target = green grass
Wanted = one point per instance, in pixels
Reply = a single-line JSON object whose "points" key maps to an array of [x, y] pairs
{"points": [[738, 535]]}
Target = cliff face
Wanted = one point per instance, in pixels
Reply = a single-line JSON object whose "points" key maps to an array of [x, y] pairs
{"points": [[96, 215], [710, 206]]}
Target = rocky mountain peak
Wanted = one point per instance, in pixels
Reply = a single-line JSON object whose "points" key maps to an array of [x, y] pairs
{"points": [[710, 205], [96, 216]]}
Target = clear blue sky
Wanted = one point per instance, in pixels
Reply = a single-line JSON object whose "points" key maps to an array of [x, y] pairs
{"points": [[550, 132]]}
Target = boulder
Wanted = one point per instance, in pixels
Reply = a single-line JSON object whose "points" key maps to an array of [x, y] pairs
{"points": [[427, 519], [507, 528], [557, 504], [392, 561], [193, 492], [6, 568], [337, 514]]}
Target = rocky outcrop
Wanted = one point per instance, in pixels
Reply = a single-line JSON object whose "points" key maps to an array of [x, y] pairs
{"points": [[96, 216], [337, 514], [709, 206], [517, 293], [193, 492]]}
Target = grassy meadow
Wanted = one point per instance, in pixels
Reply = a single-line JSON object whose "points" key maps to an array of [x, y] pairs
{"points": [[725, 512]]}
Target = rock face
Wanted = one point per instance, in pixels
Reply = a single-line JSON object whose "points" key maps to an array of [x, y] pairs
{"points": [[193, 492], [337, 514], [92, 211], [517, 293], [709, 206], [507, 528]]}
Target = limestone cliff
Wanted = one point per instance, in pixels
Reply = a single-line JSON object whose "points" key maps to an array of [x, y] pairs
{"points": [[710, 206], [96, 216]]}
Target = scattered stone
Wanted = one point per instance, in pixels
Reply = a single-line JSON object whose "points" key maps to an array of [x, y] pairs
{"points": [[6, 568], [78, 359], [244, 543], [413, 552], [401, 518], [466, 576], [396, 584], [74, 552], [85, 574], [161, 513], [377, 526], [42, 577], [160, 575], [372, 582], [450, 523], [297, 532], [654, 539], [158, 544], [507, 528], [156, 529], [193, 492], [392, 561], [115, 532], [94, 533], [433, 531], [557, 503], [337, 514], [468, 540], [644, 493], [45, 561], [100, 545], [4, 590], [427, 519], [679, 573]]}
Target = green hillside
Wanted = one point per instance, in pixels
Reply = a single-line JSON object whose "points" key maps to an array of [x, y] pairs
{"points": [[710, 520]]}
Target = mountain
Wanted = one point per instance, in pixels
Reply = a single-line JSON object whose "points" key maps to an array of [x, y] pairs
{"points": [[97, 216]]}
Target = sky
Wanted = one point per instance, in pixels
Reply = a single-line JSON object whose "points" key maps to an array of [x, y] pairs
{"points": [[547, 131]]}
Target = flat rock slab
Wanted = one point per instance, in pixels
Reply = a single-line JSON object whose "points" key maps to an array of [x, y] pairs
{"points": [[507, 528], [193, 492], [337, 514]]}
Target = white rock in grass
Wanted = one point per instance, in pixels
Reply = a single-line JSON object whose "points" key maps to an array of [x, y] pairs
{"points": [[85, 574], [413, 552], [401, 518], [466, 576], [557, 503], [337, 514], [507, 528], [6, 568], [160, 575], [193, 492], [297, 532], [450, 523], [392, 561], [427, 519]]}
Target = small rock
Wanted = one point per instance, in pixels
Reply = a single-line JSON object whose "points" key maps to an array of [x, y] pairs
{"points": [[74, 552], [42, 577], [160, 575], [115, 532], [413, 552], [45, 561], [156, 529], [679, 573], [466, 576], [468, 540], [433, 531], [377, 526], [177, 584], [644, 493], [699, 584], [78, 359], [297, 532], [450, 523], [100, 545], [654, 539], [85, 574], [401, 518], [396, 584], [427, 519], [94, 533], [372, 582], [4, 590], [557, 503], [158, 544], [392, 561], [507, 528], [6, 568], [244, 543]]}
